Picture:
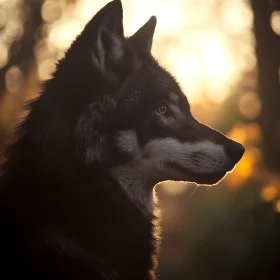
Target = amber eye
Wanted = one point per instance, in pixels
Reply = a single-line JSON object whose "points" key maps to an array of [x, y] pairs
{"points": [[162, 109]]}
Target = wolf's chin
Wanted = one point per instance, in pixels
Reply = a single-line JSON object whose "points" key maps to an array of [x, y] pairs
{"points": [[209, 179], [206, 179]]}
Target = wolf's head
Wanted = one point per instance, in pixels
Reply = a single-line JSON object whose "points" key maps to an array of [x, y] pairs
{"points": [[128, 115]]}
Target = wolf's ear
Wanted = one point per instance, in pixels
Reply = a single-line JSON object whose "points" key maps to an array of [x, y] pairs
{"points": [[107, 36], [142, 40]]}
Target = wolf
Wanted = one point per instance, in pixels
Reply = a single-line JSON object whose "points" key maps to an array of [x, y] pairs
{"points": [[77, 184]]}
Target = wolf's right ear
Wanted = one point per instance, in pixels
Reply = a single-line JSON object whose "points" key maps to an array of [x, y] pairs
{"points": [[142, 40], [106, 36]]}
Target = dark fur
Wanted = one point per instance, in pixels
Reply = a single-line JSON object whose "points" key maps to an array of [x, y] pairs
{"points": [[62, 215]]}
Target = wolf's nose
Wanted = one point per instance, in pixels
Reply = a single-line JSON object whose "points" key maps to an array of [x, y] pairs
{"points": [[235, 151]]}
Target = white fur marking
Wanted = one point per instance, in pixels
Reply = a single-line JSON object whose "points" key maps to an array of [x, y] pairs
{"points": [[127, 141], [200, 158], [135, 186]]}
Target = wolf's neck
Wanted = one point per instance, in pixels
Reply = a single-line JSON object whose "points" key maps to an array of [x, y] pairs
{"points": [[136, 187]]}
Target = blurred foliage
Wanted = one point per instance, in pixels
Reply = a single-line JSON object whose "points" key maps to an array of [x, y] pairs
{"points": [[230, 231]]}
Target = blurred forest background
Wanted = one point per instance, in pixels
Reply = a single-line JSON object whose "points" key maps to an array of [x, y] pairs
{"points": [[226, 55]]}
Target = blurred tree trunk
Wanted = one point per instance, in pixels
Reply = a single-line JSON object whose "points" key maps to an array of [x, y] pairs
{"points": [[268, 58], [21, 55]]}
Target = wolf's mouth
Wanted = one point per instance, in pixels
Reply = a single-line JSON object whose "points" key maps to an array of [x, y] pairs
{"points": [[198, 178]]}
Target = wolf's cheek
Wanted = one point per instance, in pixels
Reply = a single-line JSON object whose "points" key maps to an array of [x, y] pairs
{"points": [[127, 142], [162, 159]]}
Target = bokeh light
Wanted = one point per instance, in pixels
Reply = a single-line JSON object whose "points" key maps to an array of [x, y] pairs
{"points": [[236, 16], [269, 193], [277, 206], [275, 22], [13, 79], [250, 105], [52, 10]]}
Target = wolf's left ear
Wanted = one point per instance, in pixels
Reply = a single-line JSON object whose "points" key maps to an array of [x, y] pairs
{"points": [[107, 36], [142, 40]]}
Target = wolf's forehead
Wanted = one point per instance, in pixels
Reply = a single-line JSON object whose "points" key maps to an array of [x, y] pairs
{"points": [[178, 101], [174, 97]]}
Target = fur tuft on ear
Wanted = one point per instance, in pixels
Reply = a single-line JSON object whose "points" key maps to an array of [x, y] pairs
{"points": [[105, 38], [108, 50], [142, 40]]}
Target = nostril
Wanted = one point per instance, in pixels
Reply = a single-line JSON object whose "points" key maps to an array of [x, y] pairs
{"points": [[235, 151]]}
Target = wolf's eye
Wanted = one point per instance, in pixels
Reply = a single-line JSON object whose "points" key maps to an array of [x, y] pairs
{"points": [[162, 109]]}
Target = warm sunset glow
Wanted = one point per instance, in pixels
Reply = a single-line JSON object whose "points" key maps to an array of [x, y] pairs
{"points": [[238, 133], [218, 66], [242, 171], [62, 36], [245, 168]]}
